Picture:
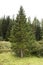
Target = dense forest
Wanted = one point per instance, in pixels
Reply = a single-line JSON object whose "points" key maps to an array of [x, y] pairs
{"points": [[26, 36]]}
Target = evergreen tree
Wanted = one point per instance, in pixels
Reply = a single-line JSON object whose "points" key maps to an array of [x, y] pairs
{"points": [[31, 37], [5, 26], [38, 33], [1, 29], [42, 28], [10, 24], [0, 26], [19, 33], [37, 29]]}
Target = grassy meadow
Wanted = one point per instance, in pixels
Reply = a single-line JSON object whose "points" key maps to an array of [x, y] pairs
{"points": [[9, 59]]}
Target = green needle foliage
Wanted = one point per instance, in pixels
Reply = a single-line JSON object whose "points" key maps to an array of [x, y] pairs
{"points": [[19, 33]]}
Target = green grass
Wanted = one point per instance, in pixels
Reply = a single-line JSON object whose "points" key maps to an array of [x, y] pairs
{"points": [[9, 59]]}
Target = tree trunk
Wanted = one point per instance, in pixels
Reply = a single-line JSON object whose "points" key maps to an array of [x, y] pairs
{"points": [[21, 53]]}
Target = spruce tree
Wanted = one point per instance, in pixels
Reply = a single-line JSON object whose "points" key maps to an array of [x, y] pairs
{"points": [[42, 27], [37, 29], [18, 35], [9, 27], [5, 27]]}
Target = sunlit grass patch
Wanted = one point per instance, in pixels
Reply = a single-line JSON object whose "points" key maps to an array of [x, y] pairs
{"points": [[9, 59]]}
